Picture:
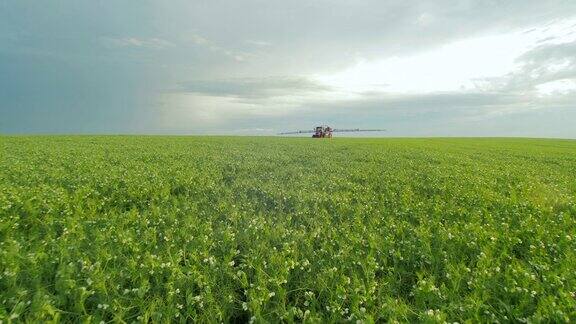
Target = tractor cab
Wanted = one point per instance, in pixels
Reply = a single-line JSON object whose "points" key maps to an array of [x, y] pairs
{"points": [[322, 132]]}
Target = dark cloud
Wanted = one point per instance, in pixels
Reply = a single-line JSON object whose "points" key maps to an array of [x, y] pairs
{"points": [[254, 88], [311, 36], [549, 62], [543, 64]]}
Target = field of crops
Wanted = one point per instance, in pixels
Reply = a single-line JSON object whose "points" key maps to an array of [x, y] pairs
{"points": [[217, 229]]}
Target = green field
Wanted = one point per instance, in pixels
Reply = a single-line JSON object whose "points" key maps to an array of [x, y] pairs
{"points": [[225, 229]]}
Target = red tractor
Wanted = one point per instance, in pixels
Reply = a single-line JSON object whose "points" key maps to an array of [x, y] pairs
{"points": [[322, 131]]}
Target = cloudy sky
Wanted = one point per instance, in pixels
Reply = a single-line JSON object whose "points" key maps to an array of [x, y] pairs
{"points": [[414, 67]]}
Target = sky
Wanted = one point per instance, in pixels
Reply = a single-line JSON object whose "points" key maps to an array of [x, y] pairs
{"points": [[259, 67]]}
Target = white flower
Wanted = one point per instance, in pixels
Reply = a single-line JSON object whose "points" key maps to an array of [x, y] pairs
{"points": [[272, 294]]}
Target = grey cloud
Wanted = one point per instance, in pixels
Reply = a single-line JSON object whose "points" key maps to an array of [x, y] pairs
{"points": [[211, 46], [301, 36], [150, 43], [440, 114], [545, 63], [553, 61], [442, 106], [319, 36], [254, 88], [258, 43]]}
